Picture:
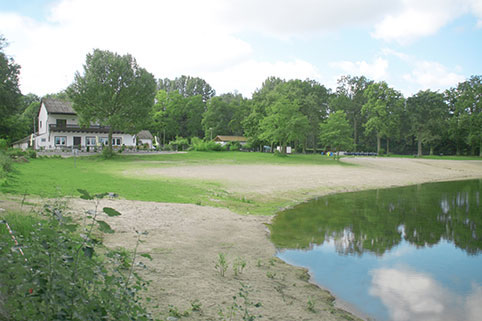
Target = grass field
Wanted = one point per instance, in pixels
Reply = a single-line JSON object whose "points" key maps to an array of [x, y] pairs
{"points": [[56, 177]]}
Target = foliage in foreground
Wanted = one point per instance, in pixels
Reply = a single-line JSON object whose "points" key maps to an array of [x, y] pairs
{"points": [[67, 275]]}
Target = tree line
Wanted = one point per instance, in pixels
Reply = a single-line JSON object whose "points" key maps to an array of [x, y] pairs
{"points": [[360, 115]]}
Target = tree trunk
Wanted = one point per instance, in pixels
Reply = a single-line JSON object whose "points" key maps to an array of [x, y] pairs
{"points": [[355, 135], [378, 143], [109, 146], [431, 150], [388, 145], [419, 145], [480, 149]]}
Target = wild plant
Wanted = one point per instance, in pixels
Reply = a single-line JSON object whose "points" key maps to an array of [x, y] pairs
{"points": [[221, 264], [238, 266], [66, 273], [243, 308]]}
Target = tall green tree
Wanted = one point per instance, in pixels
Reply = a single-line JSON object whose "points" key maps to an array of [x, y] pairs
{"points": [[262, 98], [224, 115], [114, 91], [427, 111], [188, 86], [350, 98], [284, 122], [336, 132], [466, 114], [382, 109], [175, 115], [10, 95]]}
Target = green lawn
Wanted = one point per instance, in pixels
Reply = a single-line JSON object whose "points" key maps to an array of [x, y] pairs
{"points": [[55, 177]]}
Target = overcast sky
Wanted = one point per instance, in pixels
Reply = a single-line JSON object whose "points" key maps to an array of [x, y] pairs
{"points": [[237, 44]]}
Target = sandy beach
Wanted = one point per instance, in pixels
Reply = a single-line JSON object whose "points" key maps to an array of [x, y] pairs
{"points": [[185, 240]]}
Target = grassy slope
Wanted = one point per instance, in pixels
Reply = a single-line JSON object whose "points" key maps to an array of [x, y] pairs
{"points": [[53, 177]]}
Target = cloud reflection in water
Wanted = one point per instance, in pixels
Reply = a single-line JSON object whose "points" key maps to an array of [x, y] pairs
{"points": [[413, 296]]}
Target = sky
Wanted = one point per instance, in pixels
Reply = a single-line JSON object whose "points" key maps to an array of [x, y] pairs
{"points": [[236, 44]]}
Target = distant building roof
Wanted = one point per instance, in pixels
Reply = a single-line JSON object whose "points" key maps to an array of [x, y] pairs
{"points": [[55, 106], [220, 138], [144, 134]]}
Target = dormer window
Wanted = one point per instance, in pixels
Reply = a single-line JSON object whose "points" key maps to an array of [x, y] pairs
{"points": [[62, 123]]}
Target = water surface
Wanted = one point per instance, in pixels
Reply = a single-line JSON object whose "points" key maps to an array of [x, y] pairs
{"points": [[409, 253]]}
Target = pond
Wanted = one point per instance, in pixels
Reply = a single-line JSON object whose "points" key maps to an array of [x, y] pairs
{"points": [[408, 253]]}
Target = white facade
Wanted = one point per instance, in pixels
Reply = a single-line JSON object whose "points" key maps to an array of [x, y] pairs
{"points": [[62, 131]]}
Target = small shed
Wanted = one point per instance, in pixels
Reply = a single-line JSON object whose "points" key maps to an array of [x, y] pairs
{"points": [[24, 143], [223, 140], [145, 137]]}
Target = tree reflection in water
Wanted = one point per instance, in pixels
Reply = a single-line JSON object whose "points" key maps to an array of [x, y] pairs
{"points": [[377, 220]]}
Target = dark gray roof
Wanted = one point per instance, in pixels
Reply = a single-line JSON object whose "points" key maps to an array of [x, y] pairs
{"points": [[55, 106], [144, 134]]}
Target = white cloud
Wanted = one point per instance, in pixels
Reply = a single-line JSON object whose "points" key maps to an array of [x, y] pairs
{"points": [[247, 76], [412, 296], [377, 70], [165, 38], [419, 19], [284, 18], [432, 75]]}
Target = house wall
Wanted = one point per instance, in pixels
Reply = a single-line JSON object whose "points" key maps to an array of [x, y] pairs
{"points": [[47, 141], [42, 120], [146, 141]]}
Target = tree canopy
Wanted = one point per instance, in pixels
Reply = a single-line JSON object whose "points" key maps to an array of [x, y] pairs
{"points": [[10, 95], [113, 91], [336, 132]]}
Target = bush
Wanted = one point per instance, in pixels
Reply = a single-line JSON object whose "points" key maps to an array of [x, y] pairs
{"points": [[200, 145], [179, 142], [5, 164], [65, 275], [31, 153], [107, 153], [3, 144]]}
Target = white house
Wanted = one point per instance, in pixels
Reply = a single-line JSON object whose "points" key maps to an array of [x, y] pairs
{"points": [[58, 128], [145, 137]]}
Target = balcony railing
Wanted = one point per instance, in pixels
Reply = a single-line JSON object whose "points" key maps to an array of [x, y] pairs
{"points": [[77, 128]]}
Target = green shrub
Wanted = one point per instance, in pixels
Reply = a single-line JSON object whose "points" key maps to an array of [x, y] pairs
{"points": [[200, 145], [5, 164], [31, 153], [3, 144], [16, 152], [66, 273]]}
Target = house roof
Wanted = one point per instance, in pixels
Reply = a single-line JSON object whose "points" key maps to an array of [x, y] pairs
{"points": [[55, 106], [220, 138], [144, 134]]}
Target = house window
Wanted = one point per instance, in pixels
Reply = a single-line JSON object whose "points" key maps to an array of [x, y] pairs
{"points": [[116, 141], [90, 141], [103, 140], [61, 123], [43, 140], [40, 124], [60, 140]]}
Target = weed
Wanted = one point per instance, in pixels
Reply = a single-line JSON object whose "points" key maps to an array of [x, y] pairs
{"points": [[272, 261], [196, 305], [174, 312], [243, 308], [258, 263], [311, 305], [271, 275], [67, 275], [221, 264], [239, 265]]}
